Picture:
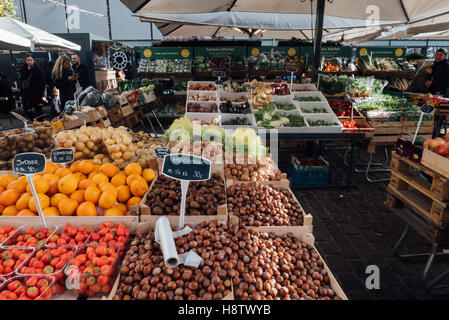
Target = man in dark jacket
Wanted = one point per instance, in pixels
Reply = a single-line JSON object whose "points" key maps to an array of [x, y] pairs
{"points": [[33, 87], [440, 71], [80, 69]]}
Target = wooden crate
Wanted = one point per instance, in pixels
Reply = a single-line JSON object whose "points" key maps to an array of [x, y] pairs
{"points": [[359, 120], [429, 199], [435, 162]]}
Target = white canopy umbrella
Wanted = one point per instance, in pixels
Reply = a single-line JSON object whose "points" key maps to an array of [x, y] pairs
{"points": [[40, 39], [12, 42]]}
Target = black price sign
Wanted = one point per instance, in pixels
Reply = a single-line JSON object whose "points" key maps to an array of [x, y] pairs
{"points": [[186, 167], [62, 155], [219, 74], [29, 163], [291, 69], [161, 152], [427, 109]]}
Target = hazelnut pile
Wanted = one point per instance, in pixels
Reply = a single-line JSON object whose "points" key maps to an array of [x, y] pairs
{"points": [[259, 266], [264, 205], [21, 140], [272, 267], [252, 169], [143, 275], [203, 197]]}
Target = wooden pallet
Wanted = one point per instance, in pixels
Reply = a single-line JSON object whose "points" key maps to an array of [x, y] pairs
{"points": [[429, 199]]}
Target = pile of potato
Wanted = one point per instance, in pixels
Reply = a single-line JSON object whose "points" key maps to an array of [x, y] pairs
{"points": [[261, 95]]}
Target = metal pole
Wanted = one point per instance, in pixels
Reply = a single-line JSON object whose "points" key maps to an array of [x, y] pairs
{"points": [[66, 17], [109, 19], [320, 7]]}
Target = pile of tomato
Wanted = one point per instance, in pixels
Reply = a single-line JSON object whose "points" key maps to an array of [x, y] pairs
{"points": [[341, 108], [28, 288], [6, 232], [11, 259], [71, 236], [33, 237], [111, 235]]}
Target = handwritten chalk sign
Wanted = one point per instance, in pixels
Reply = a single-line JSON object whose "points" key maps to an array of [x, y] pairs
{"points": [[161, 152], [186, 168], [29, 163], [427, 109], [62, 156], [219, 74]]}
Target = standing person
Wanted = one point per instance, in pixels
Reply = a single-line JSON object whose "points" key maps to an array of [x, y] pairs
{"points": [[64, 79], [80, 69], [440, 71], [6, 94], [55, 102], [418, 83], [33, 87]]}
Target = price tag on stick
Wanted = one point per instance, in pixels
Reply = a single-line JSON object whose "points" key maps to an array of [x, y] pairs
{"points": [[62, 156], [427, 109], [292, 70], [29, 164], [161, 152], [186, 168]]}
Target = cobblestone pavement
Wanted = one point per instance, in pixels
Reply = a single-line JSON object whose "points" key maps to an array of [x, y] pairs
{"points": [[355, 229]]}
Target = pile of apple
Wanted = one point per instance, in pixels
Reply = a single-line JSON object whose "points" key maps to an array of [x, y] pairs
{"points": [[438, 145]]}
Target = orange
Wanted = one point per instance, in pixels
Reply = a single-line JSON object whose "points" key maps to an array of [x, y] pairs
{"points": [[123, 193], [133, 201], [2, 207], [113, 212], [133, 177], [9, 197], [86, 166], [50, 177], [139, 187], [80, 176], [74, 166], [53, 188], [23, 201], [107, 199], [92, 194], [44, 200], [107, 186], [51, 167], [10, 211], [6, 179], [86, 183], [62, 172], [1, 189], [119, 179], [19, 184], [149, 174], [41, 184], [92, 174], [109, 169], [26, 213], [133, 168], [100, 178], [122, 207], [67, 207], [87, 209], [51, 212], [68, 184], [78, 196], [57, 198]]}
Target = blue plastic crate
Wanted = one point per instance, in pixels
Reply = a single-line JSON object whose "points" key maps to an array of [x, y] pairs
{"points": [[307, 178]]}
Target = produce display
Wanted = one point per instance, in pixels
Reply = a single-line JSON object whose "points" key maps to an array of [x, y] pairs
{"points": [[439, 145], [295, 121], [207, 149], [263, 62], [338, 65], [11, 259], [6, 232], [120, 146], [261, 94], [241, 108], [269, 118], [342, 108], [321, 123], [263, 205], [204, 108], [284, 106], [203, 198], [314, 110], [210, 86], [243, 98], [202, 97], [70, 236], [84, 189], [237, 122], [280, 89], [245, 168], [28, 288], [30, 237], [307, 99], [17, 141], [165, 66]]}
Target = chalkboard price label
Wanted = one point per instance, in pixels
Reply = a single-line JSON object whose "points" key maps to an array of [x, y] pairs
{"points": [[427, 109], [186, 167], [161, 152], [219, 74], [29, 163], [291, 69], [62, 155]]}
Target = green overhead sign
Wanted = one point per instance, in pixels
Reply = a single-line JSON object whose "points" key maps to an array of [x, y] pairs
{"points": [[156, 53], [284, 51], [329, 52], [220, 52], [381, 52]]}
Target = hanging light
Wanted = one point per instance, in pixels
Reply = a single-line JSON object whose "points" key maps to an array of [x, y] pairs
{"points": [[237, 29]]}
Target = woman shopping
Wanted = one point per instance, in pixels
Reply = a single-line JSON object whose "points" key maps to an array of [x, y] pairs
{"points": [[64, 79], [33, 87]]}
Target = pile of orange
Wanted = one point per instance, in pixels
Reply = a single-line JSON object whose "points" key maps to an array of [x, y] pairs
{"points": [[83, 189]]}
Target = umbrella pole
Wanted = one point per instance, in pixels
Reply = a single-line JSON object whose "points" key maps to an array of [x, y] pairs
{"points": [[320, 7], [13, 76]]}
